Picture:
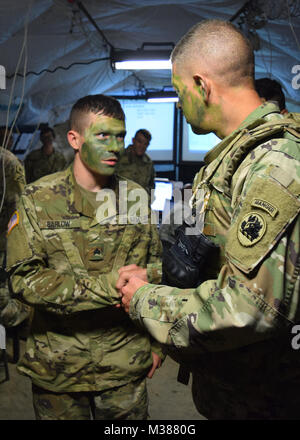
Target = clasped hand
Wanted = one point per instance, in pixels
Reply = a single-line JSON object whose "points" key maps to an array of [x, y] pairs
{"points": [[131, 278]]}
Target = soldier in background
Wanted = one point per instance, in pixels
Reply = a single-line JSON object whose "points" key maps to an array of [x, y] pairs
{"points": [[271, 90], [135, 164], [12, 182], [45, 160], [233, 323], [84, 355]]}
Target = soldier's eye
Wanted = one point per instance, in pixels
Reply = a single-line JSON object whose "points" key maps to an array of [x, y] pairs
{"points": [[102, 135]]}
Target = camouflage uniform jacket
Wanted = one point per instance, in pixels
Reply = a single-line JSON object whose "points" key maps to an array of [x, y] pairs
{"points": [[38, 164], [66, 268], [11, 188], [12, 183], [234, 330], [138, 169]]}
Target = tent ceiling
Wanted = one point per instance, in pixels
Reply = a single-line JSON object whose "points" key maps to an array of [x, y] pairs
{"points": [[60, 38]]}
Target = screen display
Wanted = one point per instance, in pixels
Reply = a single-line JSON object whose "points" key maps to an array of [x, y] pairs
{"points": [[195, 146], [163, 191], [158, 118]]}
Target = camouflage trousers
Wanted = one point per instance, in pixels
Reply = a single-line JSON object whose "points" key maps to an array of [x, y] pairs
{"points": [[127, 402]]}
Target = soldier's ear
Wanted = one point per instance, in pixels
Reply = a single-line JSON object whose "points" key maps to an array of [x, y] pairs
{"points": [[74, 139], [203, 86]]}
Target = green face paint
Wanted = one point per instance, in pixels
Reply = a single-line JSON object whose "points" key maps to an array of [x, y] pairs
{"points": [[103, 143], [203, 118], [191, 101]]}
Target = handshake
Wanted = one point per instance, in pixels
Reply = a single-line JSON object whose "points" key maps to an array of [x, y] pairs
{"points": [[131, 278]]}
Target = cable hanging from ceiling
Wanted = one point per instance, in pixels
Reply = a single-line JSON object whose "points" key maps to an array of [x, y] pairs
{"points": [[9, 130], [255, 14], [30, 72]]}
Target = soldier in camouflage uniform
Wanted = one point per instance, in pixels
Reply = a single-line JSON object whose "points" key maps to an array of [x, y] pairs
{"points": [[12, 182], [45, 160], [135, 164], [234, 330], [83, 353]]}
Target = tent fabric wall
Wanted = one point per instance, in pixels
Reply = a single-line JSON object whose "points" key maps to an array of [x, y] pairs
{"points": [[60, 36]]}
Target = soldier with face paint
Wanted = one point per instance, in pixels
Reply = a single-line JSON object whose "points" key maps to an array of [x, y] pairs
{"points": [[84, 355], [233, 329]]}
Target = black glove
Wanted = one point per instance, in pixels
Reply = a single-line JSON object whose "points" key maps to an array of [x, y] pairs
{"points": [[184, 263]]}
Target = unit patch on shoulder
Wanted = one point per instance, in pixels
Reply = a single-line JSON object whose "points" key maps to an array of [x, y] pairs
{"points": [[266, 206], [251, 229], [14, 221]]}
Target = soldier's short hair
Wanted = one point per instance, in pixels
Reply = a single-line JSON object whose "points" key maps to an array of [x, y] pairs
{"points": [[45, 130], [271, 90], [145, 133], [219, 42], [106, 105]]}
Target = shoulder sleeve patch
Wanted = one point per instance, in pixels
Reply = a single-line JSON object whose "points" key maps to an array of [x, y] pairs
{"points": [[267, 210], [14, 221], [18, 238], [251, 228]]}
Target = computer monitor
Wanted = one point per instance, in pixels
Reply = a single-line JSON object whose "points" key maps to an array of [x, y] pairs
{"points": [[195, 146], [163, 191], [158, 118]]}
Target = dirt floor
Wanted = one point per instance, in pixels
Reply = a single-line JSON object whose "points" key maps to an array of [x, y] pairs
{"points": [[169, 399]]}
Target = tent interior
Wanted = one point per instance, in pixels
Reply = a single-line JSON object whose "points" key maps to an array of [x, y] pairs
{"points": [[53, 52]]}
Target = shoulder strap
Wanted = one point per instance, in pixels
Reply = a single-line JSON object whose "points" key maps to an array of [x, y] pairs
{"points": [[252, 137], [244, 142]]}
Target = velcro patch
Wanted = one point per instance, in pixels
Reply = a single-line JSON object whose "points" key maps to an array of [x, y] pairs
{"points": [[14, 221], [266, 206], [254, 232], [60, 224]]}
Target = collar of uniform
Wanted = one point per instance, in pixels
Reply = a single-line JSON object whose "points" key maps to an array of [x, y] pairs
{"points": [[81, 204], [259, 113], [42, 154]]}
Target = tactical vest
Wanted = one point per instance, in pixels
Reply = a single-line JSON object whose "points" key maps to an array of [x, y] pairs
{"points": [[244, 142], [240, 144]]}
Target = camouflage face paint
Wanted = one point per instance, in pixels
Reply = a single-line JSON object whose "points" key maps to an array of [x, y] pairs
{"points": [[191, 101], [103, 142], [197, 113]]}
